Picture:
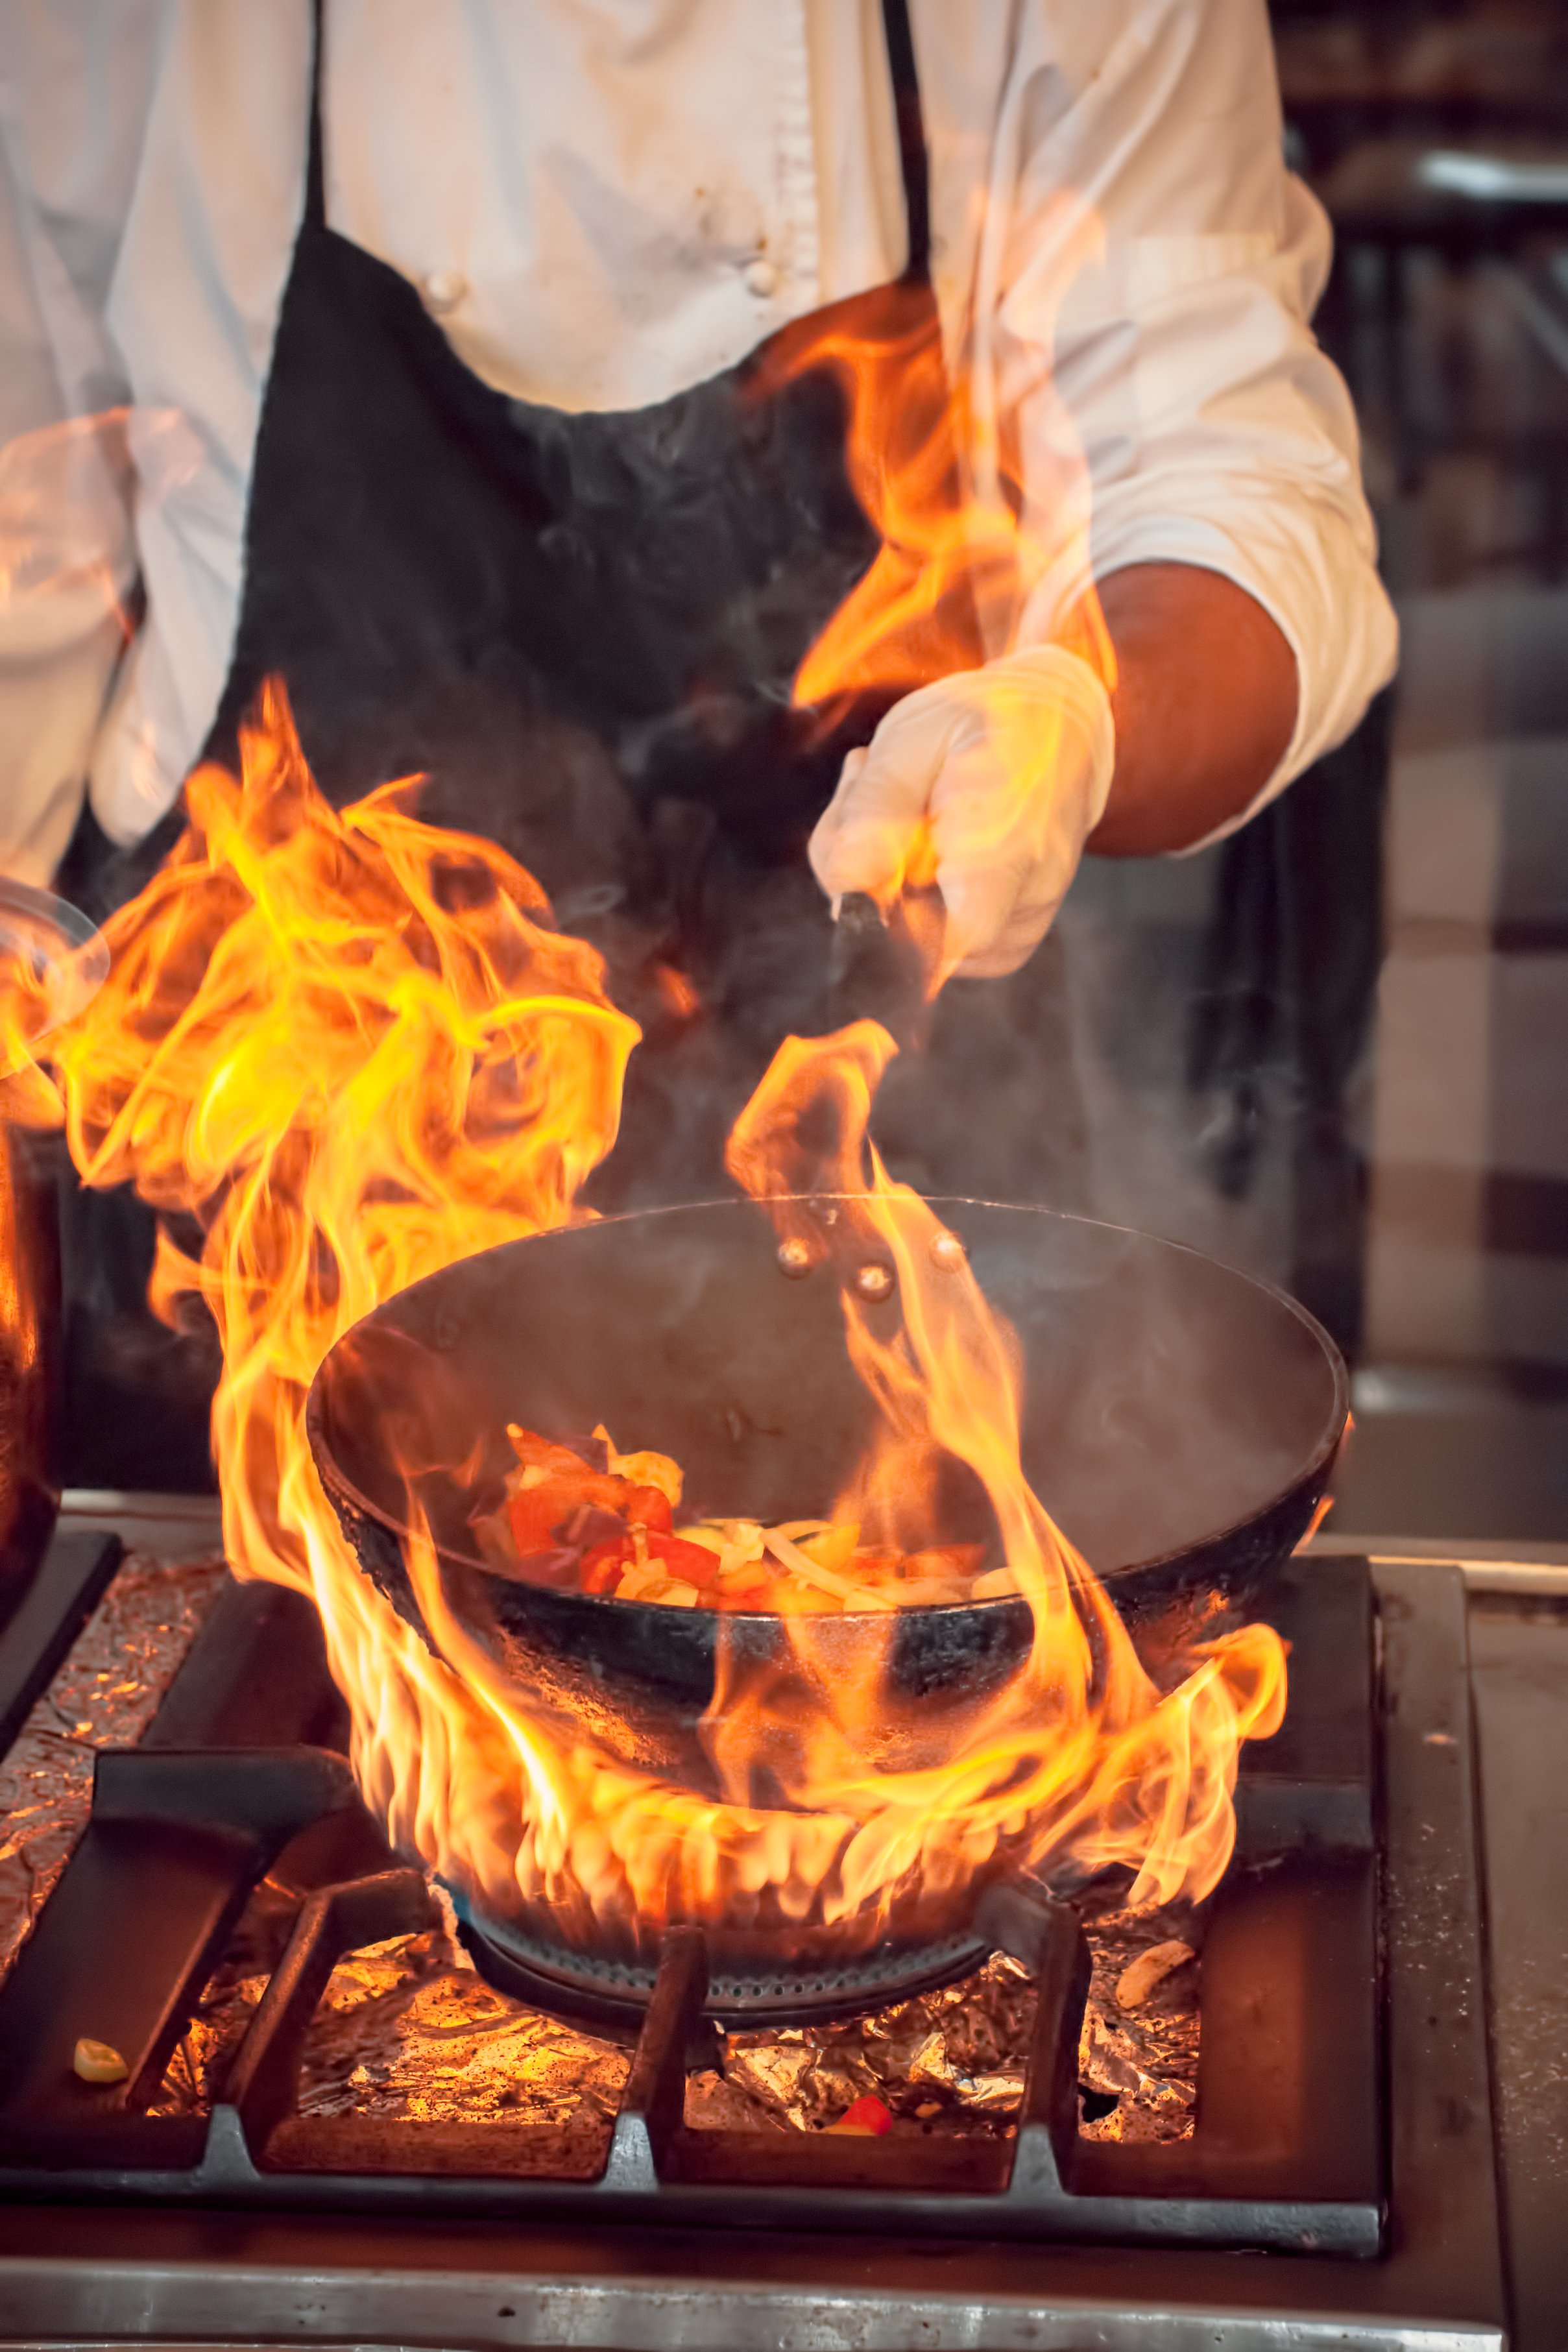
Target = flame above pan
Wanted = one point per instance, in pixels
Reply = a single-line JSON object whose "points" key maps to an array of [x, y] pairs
{"points": [[351, 1048]]}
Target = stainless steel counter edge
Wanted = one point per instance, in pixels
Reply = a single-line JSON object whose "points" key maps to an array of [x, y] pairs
{"points": [[1485, 1567], [646, 2313]]}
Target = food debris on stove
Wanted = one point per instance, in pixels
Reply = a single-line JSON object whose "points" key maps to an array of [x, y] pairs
{"points": [[867, 2119], [1137, 2067], [97, 2062], [607, 1527], [408, 2033], [954, 2060], [105, 1695], [1139, 1978], [961, 2050]]}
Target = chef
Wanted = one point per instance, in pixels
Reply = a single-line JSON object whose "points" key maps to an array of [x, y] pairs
{"points": [[446, 328]]}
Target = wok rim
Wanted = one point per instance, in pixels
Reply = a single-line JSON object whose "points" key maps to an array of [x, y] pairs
{"points": [[336, 1483]]}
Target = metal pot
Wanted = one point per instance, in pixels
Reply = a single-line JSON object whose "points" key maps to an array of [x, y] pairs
{"points": [[1181, 1423], [63, 950]]}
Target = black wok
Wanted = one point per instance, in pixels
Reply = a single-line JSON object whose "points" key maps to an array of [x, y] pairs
{"points": [[1181, 1422]]}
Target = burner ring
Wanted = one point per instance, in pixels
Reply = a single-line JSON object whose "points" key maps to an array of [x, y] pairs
{"points": [[617, 1992]]}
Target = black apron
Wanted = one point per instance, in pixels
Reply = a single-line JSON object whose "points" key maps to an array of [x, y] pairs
{"points": [[583, 628]]}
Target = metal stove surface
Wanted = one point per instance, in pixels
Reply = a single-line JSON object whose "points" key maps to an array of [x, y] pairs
{"points": [[80, 2273]]}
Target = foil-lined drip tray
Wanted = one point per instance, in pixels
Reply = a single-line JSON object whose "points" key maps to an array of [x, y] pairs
{"points": [[185, 1851], [408, 2031], [105, 1694]]}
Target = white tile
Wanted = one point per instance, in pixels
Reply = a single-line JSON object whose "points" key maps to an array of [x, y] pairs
{"points": [[1442, 832], [1433, 1097], [1425, 1302], [1483, 662], [1529, 1123]]}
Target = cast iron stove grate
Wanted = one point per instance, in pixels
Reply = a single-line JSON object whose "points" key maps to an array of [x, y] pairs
{"points": [[1288, 2148]]}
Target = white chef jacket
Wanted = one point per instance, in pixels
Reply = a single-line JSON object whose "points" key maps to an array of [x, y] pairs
{"points": [[604, 202]]}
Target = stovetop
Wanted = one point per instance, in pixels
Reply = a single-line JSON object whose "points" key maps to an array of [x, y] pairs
{"points": [[1343, 2152]]}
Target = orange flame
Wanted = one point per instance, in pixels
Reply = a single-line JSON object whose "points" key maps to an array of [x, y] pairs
{"points": [[348, 1045], [932, 450], [1078, 1759], [345, 1044], [351, 1048]]}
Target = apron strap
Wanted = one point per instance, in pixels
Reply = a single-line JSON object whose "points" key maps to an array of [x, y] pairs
{"points": [[315, 175], [913, 153], [912, 148]]}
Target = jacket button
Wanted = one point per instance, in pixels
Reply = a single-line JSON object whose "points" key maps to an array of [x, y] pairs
{"points": [[761, 280], [443, 289]]}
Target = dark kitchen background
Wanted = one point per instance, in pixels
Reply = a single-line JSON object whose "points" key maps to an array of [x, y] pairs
{"points": [[1333, 1049]]}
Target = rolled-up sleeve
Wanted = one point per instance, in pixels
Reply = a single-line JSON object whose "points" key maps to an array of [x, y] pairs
{"points": [[1157, 377]]}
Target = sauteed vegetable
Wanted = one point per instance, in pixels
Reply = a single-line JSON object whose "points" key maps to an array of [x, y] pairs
{"points": [[593, 1520]]}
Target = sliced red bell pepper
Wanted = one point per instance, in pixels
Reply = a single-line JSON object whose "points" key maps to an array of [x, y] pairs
{"points": [[650, 1505], [542, 1511], [604, 1565], [693, 1562], [867, 2119], [535, 1512]]}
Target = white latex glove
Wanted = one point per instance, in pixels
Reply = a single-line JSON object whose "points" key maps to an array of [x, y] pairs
{"points": [[996, 775]]}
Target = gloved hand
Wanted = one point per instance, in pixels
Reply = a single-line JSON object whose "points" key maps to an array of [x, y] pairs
{"points": [[989, 782]]}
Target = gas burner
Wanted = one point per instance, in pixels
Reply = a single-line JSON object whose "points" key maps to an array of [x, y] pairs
{"points": [[614, 1993]]}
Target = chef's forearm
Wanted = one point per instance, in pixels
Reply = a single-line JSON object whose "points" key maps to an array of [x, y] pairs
{"points": [[1205, 706]]}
